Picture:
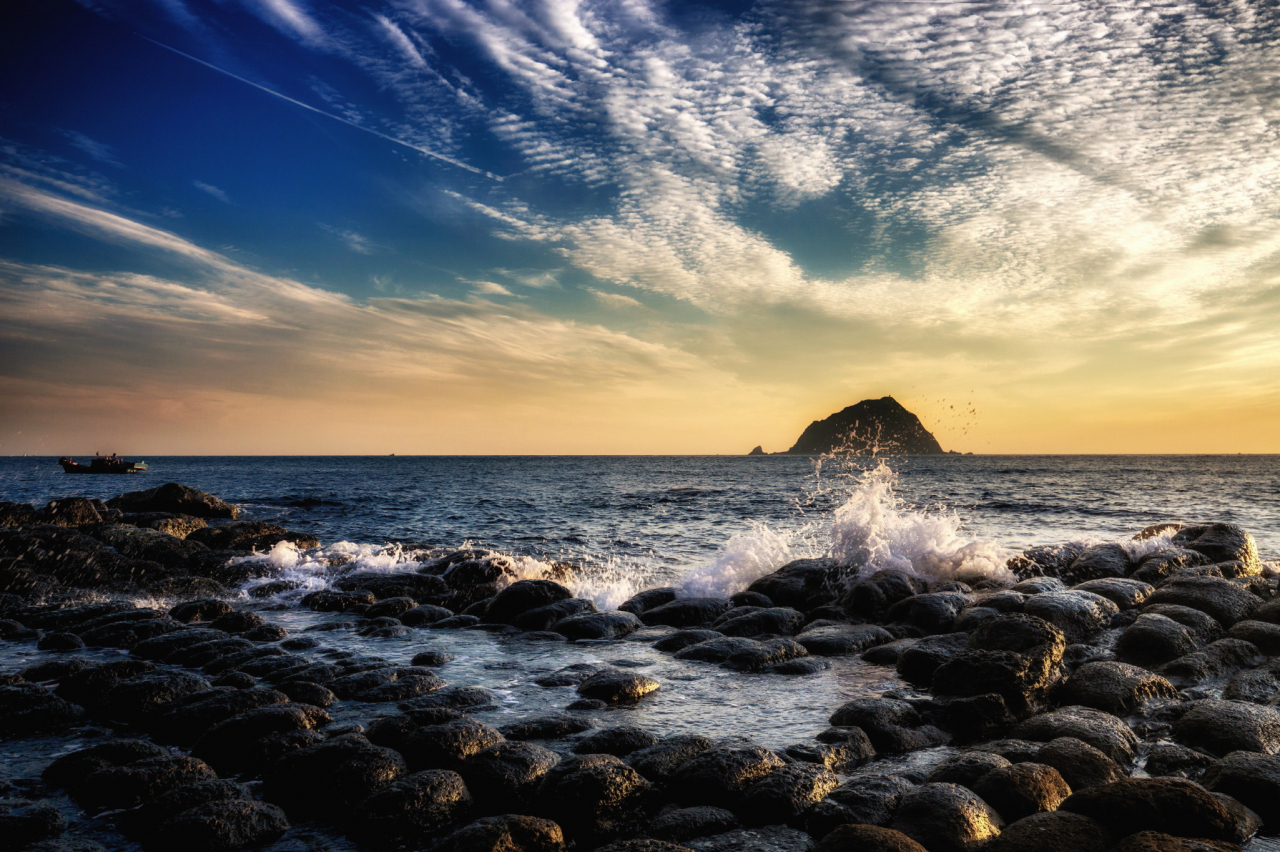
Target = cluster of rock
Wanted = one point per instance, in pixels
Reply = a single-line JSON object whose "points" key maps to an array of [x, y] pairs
{"points": [[1101, 702], [157, 542]]}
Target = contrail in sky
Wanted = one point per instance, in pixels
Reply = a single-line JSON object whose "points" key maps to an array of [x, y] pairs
{"points": [[450, 160]]}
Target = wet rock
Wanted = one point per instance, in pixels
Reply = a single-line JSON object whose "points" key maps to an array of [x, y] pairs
{"points": [[244, 742], [966, 768], [1056, 831], [127, 786], [871, 799], [456, 697], [390, 608], [1077, 614], [715, 650], [842, 640], [1221, 727], [55, 669], [616, 686], [718, 776], [893, 726], [522, 596], [1046, 584], [412, 810], [598, 625], [1101, 730], [594, 797], [932, 612], [222, 826], [27, 708], [60, 642], [1219, 543], [774, 838], [23, 822], [143, 820], [448, 745], [174, 498], [330, 600], [1023, 789], [547, 617], [918, 662], [202, 653], [1214, 660], [619, 741], [871, 598], [254, 660], [1253, 780], [1118, 688], [868, 838], [507, 833], [1153, 640], [403, 688], [1175, 761], [843, 756], [425, 615], [680, 824], [265, 633], [660, 761], [763, 655], [889, 653], [645, 844], [71, 769], [206, 609], [326, 780], [1080, 764], [946, 818], [1173, 805], [1204, 627], [784, 794], [1222, 599], [1098, 562], [457, 622], [1125, 593], [550, 727], [128, 635], [778, 621], [802, 666], [649, 599], [686, 612], [801, 584], [1155, 568], [183, 725]]}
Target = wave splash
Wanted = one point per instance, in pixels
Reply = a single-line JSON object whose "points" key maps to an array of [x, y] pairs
{"points": [[873, 529]]}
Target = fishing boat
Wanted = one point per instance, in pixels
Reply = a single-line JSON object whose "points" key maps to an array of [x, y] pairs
{"points": [[102, 465]]}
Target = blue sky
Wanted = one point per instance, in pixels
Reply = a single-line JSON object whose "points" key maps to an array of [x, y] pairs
{"points": [[634, 226]]}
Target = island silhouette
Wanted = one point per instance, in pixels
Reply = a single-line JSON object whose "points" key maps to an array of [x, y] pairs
{"points": [[871, 427]]}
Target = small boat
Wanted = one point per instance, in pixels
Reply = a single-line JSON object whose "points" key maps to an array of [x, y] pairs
{"points": [[102, 465]]}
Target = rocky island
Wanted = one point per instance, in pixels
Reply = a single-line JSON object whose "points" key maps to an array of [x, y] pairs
{"points": [[873, 427], [1103, 698]]}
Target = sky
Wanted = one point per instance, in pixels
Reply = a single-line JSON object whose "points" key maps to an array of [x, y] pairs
{"points": [[630, 226]]}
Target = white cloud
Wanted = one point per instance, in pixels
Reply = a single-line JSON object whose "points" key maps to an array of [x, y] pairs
{"points": [[490, 288], [99, 151], [358, 243], [614, 300], [212, 190]]}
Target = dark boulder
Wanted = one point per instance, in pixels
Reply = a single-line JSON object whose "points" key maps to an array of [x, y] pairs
{"points": [[522, 596], [131, 784], [205, 609], [1219, 543], [966, 768], [1171, 805], [547, 617], [932, 612], [1080, 764], [1098, 562], [60, 642], [842, 640], [235, 745], [184, 724], [598, 625], [70, 769], [594, 797], [617, 686], [893, 726], [1213, 660], [456, 697], [785, 794], [1118, 688], [1221, 727], [679, 824], [1023, 789], [1155, 841], [619, 741], [719, 776], [24, 822], [135, 698], [839, 755], [754, 621], [867, 838], [1225, 601], [222, 826], [872, 798], [887, 654], [174, 498], [306, 692], [1153, 640], [550, 727], [660, 761], [506, 776], [946, 818], [326, 780], [1124, 592], [506, 833], [801, 584], [1101, 730], [649, 599], [250, 535], [765, 655], [1079, 615], [872, 597], [1253, 780], [412, 810], [918, 662], [424, 616], [773, 838], [237, 622], [1175, 761], [686, 612], [715, 650], [1264, 635], [448, 745], [1056, 831]]}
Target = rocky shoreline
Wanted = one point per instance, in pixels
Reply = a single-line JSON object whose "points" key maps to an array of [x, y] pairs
{"points": [[1102, 698]]}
